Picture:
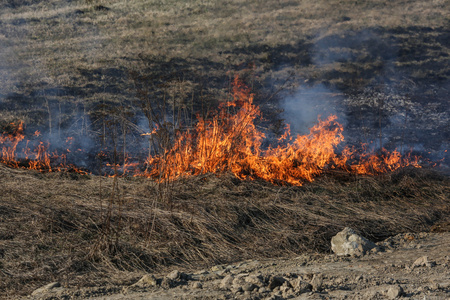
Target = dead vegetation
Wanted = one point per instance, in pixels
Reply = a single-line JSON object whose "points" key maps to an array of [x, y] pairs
{"points": [[88, 230]]}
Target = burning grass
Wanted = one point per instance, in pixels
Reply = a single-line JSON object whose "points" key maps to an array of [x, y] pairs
{"points": [[94, 230], [36, 157], [229, 141]]}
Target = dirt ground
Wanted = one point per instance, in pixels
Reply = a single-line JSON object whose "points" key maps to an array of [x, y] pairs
{"points": [[397, 270]]}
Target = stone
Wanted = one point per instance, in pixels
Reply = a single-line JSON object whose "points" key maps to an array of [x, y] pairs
{"points": [[248, 287], [226, 282], [275, 282], [197, 285], [317, 282], [255, 279], [423, 262], [239, 280], [46, 288], [174, 275], [146, 281], [301, 286], [348, 242], [394, 292]]}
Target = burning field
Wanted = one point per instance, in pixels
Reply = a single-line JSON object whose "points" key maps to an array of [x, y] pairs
{"points": [[140, 136], [228, 141]]}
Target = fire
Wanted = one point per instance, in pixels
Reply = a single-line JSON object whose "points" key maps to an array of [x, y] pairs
{"points": [[10, 142], [232, 142], [366, 163], [227, 142], [37, 159]]}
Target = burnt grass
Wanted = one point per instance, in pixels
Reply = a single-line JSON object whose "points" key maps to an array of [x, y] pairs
{"points": [[85, 230]]}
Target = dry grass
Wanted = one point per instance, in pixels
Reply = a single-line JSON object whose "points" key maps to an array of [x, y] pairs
{"points": [[71, 228]]}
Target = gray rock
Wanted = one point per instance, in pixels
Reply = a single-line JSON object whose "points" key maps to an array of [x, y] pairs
{"points": [[175, 275], [248, 287], [394, 292], [239, 280], [46, 288], [348, 242], [275, 282], [146, 280], [423, 262], [197, 285], [301, 286], [255, 279]]}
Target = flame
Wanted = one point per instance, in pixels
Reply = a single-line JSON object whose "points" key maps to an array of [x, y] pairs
{"points": [[38, 159], [232, 142], [227, 142], [10, 142], [364, 162]]}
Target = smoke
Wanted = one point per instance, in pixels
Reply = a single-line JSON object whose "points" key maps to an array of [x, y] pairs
{"points": [[362, 77], [302, 109]]}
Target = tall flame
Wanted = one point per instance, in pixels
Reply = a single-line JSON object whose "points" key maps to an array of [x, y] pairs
{"points": [[232, 142], [10, 142]]}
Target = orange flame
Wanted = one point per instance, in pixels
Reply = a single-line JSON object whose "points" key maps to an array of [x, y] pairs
{"points": [[10, 142], [231, 142], [39, 159]]}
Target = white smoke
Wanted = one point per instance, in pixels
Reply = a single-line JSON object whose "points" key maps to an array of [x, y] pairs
{"points": [[307, 104]]}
